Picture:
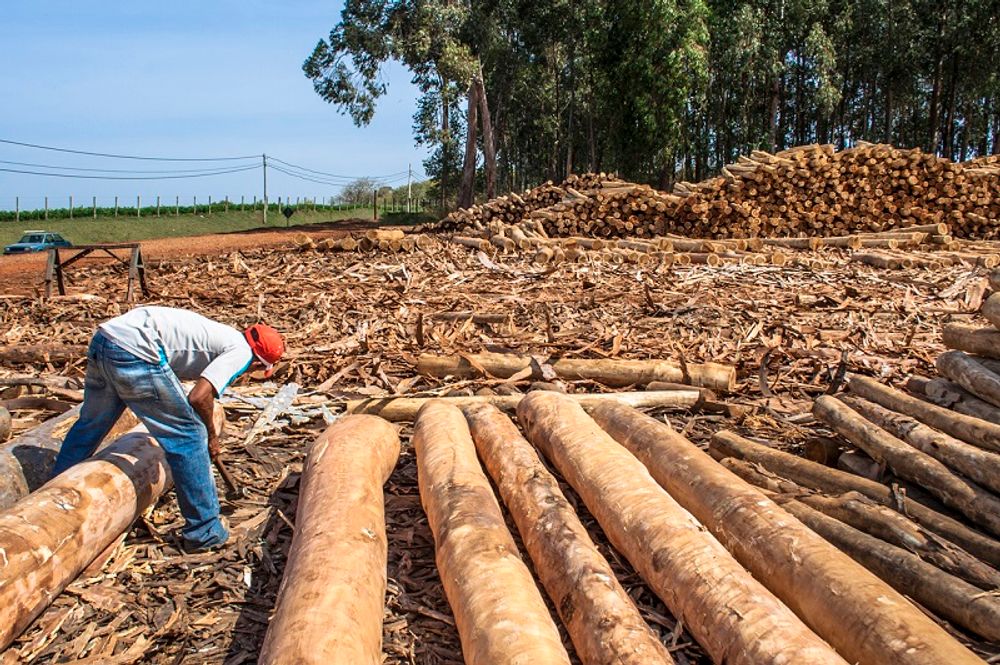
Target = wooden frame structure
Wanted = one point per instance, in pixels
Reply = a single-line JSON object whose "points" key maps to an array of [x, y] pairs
{"points": [[136, 267]]}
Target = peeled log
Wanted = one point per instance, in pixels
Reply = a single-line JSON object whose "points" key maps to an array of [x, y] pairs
{"points": [[405, 409], [831, 481], [19, 354], [980, 341], [735, 619], [865, 620], [5, 424], [967, 428], [332, 596], [910, 464], [991, 309], [26, 460], [948, 596], [864, 514], [971, 375], [598, 613], [616, 373], [978, 465], [51, 535], [499, 612]]}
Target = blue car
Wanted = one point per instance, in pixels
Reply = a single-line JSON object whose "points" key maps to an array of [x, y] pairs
{"points": [[36, 241]]}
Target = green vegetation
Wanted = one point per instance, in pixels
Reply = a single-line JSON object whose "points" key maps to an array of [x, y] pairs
{"points": [[666, 90], [83, 231]]}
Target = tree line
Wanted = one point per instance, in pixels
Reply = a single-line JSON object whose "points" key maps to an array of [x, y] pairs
{"points": [[517, 92]]}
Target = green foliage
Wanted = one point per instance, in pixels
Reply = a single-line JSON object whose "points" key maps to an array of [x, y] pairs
{"points": [[659, 90]]}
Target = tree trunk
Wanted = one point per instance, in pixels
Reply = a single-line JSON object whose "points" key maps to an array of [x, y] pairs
{"points": [[489, 151], [789, 559], [467, 187], [48, 538], [601, 618], [832, 481], [332, 597], [499, 612], [445, 143], [733, 616], [950, 597], [910, 464]]}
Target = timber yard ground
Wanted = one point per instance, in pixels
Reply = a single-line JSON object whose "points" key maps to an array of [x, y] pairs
{"points": [[351, 321]]}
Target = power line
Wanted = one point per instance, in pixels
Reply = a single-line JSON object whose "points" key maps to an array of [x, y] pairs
{"points": [[305, 177], [133, 171], [114, 156], [333, 175], [162, 177]]}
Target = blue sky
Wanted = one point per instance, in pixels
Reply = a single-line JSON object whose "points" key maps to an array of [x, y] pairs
{"points": [[182, 79]]}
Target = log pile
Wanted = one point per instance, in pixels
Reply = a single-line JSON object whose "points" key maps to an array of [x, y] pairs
{"points": [[390, 241], [806, 191]]}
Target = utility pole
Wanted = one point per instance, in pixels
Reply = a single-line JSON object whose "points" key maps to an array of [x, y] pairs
{"points": [[264, 157], [409, 191]]}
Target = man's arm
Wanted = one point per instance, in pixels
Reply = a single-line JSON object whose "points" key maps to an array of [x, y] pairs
{"points": [[202, 400]]}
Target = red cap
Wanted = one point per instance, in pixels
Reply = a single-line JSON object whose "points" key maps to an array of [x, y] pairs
{"points": [[266, 344]]}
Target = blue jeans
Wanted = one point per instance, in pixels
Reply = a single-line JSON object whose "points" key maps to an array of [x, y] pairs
{"points": [[115, 379]]}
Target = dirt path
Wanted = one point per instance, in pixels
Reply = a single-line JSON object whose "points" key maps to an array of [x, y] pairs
{"points": [[25, 273]]}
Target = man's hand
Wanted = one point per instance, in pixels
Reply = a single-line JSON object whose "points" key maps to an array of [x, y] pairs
{"points": [[213, 447]]}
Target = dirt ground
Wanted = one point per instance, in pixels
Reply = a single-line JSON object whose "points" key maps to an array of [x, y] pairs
{"points": [[25, 273], [355, 324]]}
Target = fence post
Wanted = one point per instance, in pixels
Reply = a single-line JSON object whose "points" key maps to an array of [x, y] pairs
{"points": [[177, 206], [138, 206], [94, 203], [226, 203], [157, 205], [241, 202], [17, 209], [46, 208], [194, 201], [71, 206], [209, 204], [116, 205]]}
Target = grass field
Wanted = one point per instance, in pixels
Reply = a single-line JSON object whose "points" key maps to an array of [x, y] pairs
{"points": [[125, 229]]}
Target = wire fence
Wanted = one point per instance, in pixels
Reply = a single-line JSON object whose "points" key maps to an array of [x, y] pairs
{"points": [[43, 209]]}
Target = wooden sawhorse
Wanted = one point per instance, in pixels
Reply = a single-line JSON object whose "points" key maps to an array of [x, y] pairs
{"points": [[136, 268]]}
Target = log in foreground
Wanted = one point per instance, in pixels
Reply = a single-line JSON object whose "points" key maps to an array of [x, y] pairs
{"points": [[610, 372], [598, 613], [980, 466], [735, 618], [400, 409], [971, 375], [864, 619], [332, 596], [51, 535], [967, 428], [499, 612], [26, 460], [946, 595], [832, 481], [911, 464]]}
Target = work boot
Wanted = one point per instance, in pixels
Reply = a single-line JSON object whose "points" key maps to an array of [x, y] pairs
{"points": [[217, 541]]}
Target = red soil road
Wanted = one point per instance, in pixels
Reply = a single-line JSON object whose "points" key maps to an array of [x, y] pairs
{"points": [[25, 274]]}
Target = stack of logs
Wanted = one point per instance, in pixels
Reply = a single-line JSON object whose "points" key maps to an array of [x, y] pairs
{"points": [[748, 580], [927, 246], [810, 191], [382, 240], [513, 207]]}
